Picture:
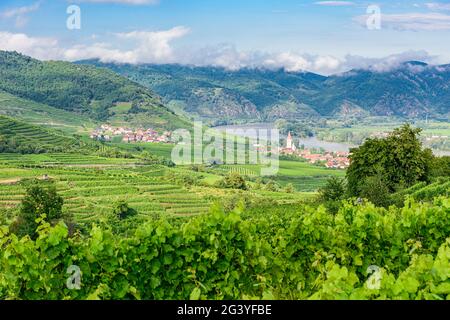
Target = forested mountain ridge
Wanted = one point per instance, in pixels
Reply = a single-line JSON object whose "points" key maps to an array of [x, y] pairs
{"points": [[100, 94], [410, 90]]}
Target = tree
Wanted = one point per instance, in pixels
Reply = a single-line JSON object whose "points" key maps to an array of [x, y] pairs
{"points": [[272, 186], [333, 193], [233, 180], [39, 200], [289, 188], [123, 211], [441, 167], [375, 190], [399, 157], [334, 190]]}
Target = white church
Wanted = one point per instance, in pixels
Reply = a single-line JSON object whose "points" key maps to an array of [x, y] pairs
{"points": [[290, 145]]}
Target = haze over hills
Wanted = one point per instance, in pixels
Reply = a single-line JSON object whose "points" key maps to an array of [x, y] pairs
{"points": [[410, 90], [65, 91]]}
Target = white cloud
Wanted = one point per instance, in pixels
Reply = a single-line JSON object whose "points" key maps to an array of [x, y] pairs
{"points": [[437, 6], [327, 64], [227, 56], [411, 21], [335, 3], [20, 14], [156, 47], [386, 63], [40, 48], [148, 47], [292, 62]]}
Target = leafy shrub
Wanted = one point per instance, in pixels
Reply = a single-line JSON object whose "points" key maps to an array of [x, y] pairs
{"points": [[272, 186], [123, 211], [40, 200], [233, 180]]}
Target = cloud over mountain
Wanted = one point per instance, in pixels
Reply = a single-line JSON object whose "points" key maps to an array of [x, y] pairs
{"points": [[159, 47]]}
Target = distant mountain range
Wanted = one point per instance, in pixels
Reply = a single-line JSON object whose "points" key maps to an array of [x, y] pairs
{"points": [[68, 95], [410, 90]]}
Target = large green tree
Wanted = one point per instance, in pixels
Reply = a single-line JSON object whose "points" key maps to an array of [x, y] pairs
{"points": [[399, 158], [40, 200]]}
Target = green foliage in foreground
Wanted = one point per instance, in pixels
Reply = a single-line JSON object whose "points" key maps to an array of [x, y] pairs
{"points": [[308, 254]]}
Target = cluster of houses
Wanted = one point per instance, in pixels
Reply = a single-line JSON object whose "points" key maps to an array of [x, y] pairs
{"points": [[106, 132], [436, 137], [335, 160]]}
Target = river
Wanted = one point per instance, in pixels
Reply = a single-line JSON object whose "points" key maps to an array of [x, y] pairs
{"points": [[309, 143]]}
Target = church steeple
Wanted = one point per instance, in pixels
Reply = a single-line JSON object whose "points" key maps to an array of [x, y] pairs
{"points": [[290, 142]]}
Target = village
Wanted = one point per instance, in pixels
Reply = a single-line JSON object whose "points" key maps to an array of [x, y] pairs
{"points": [[334, 160], [107, 132]]}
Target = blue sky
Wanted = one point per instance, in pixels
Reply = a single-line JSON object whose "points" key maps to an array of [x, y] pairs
{"points": [[320, 36]]}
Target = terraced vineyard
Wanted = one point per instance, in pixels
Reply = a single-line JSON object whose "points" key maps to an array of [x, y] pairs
{"points": [[40, 114], [90, 193], [25, 133], [303, 176], [238, 169], [91, 186], [50, 159]]}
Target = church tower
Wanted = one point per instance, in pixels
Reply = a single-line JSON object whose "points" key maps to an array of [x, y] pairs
{"points": [[290, 143]]}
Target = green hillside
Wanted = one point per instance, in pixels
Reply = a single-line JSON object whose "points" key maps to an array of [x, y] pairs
{"points": [[92, 92], [40, 114], [411, 90], [216, 94], [18, 136]]}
